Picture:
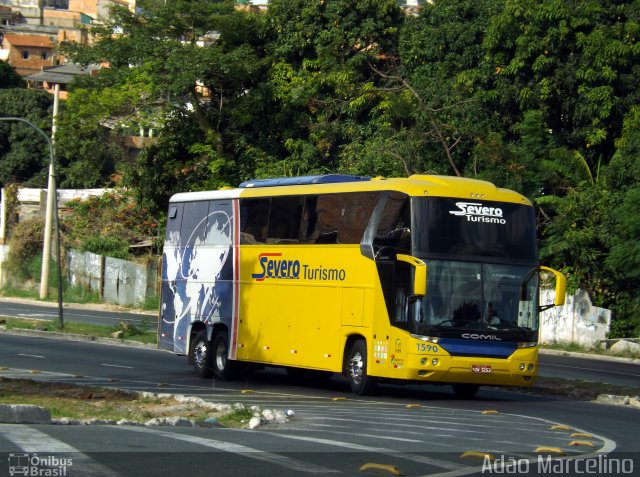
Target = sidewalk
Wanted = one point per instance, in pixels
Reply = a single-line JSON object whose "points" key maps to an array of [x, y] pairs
{"points": [[602, 357]]}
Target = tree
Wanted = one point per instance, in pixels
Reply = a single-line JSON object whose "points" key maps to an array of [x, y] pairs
{"points": [[24, 154], [159, 62], [575, 61], [8, 77], [326, 103], [442, 65]]}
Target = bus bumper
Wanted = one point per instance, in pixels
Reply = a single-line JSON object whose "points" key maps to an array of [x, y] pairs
{"points": [[519, 369]]}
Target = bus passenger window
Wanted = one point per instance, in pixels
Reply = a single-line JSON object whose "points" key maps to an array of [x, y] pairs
{"points": [[284, 220], [337, 218], [319, 220], [254, 217], [394, 229]]}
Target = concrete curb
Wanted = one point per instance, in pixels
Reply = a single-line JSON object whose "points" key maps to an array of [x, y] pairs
{"points": [[601, 357]]}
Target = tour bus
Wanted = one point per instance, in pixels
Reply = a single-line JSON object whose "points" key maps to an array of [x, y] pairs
{"points": [[429, 278]]}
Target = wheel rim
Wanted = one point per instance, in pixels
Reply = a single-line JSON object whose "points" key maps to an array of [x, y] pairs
{"points": [[356, 365], [200, 354], [221, 357]]}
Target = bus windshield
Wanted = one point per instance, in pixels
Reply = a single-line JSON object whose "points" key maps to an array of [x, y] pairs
{"points": [[478, 296], [474, 230]]}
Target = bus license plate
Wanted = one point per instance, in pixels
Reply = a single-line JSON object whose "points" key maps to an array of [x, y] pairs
{"points": [[481, 369]]}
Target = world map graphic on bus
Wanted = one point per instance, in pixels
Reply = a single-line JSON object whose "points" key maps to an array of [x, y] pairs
{"points": [[197, 274]]}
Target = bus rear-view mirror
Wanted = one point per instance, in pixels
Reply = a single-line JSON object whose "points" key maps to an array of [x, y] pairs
{"points": [[419, 275]]}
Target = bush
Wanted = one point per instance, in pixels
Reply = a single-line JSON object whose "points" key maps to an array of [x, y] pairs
{"points": [[109, 224], [25, 250]]}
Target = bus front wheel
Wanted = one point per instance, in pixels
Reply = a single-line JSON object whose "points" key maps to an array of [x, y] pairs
{"points": [[361, 383], [465, 391], [223, 368], [201, 355]]}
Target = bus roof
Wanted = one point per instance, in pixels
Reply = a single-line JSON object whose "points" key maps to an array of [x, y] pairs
{"points": [[418, 185], [303, 180]]}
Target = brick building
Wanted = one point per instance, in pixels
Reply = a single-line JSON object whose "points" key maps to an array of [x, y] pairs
{"points": [[29, 53]]}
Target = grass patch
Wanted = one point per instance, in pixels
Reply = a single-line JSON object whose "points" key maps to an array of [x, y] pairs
{"points": [[75, 294], [151, 303], [140, 333], [84, 402], [237, 418], [15, 292]]}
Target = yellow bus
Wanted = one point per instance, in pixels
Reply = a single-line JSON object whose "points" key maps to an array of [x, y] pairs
{"points": [[428, 278]]}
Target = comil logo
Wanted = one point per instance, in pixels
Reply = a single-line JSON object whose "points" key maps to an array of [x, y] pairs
{"points": [[477, 212]]}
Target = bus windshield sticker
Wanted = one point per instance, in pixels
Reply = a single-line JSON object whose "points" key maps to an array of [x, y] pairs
{"points": [[476, 212]]}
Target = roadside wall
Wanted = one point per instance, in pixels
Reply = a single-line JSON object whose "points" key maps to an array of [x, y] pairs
{"points": [[578, 321], [117, 281]]}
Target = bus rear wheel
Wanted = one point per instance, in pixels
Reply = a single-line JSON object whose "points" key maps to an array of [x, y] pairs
{"points": [[356, 366], [223, 367], [465, 391], [201, 355]]}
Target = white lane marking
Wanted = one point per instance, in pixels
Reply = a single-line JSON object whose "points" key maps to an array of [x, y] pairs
{"points": [[33, 441], [373, 436], [116, 366], [444, 464], [37, 315], [31, 355], [393, 424], [250, 452], [589, 369], [608, 446]]}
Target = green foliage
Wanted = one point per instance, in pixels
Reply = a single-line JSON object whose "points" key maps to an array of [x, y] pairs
{"points": [[9, 78], [108, 224], [541, 97], [624, 256], [24, 154], [25, 250]]}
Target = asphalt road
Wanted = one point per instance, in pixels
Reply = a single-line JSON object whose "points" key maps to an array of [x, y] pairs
{"points": [[594, 369], [421, 430], [551, 365]]}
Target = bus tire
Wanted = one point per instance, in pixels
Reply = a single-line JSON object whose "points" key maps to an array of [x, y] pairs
{"points": [[356, 366], [465, 391], [201, 355], [223, 367]]}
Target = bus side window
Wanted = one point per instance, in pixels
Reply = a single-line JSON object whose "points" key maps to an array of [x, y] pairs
{"points": [[194, 223], [284, 220], [174, 223], [355, 212], [337, 218], [394, 229], [319, 223], [219, 223], [254, 217]]}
